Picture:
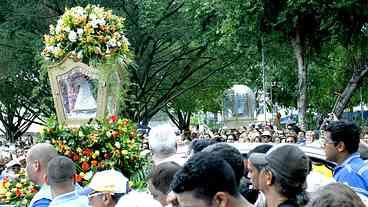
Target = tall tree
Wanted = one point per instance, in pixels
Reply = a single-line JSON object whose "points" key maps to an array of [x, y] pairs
{"points": [[171, 47]]}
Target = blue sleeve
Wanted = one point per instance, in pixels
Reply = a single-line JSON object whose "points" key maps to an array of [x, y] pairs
{"points": [[44, 202]]}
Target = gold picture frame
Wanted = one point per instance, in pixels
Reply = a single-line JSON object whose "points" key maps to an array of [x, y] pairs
{"points": [[79, 92]]}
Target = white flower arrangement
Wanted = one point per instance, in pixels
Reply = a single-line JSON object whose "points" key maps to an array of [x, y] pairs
{"points": [[89, 34]]}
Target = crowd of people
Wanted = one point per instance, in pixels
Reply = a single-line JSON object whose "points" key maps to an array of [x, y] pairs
{"points": [[262, 134], [214, 173], [13, 157]]}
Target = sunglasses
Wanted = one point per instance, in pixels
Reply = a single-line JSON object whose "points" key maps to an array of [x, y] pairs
{"points": [[94, 194]]}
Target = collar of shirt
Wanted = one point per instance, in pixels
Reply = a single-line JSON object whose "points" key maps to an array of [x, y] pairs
{"points": [[347, 161], [44, 192], [65, 197]]}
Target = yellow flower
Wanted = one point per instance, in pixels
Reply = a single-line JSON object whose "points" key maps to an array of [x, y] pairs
{"points": [[94, 137], [60, 37], [124, 152], [81, 20], [89, 39], [108, 14], [6, 185], [58, 52], [79, 150], [82, 174], [88, 28]]}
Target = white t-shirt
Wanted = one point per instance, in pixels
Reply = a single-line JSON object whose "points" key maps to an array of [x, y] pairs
{"points": [[138, 199]]}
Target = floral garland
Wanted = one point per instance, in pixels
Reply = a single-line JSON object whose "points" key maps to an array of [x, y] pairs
{"points": [[88, 34], [99, 145], [18, 192]]}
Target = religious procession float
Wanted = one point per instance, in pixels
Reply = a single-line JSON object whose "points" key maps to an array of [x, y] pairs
{"points": [[85, 56]]}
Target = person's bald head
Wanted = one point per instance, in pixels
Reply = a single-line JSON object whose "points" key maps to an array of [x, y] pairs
{"points": [[38, 157], [43, 152]]}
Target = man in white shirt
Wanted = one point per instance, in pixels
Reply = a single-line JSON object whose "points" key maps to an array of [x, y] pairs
{"points": [[61, 172], [162, 142], [37, 160]]}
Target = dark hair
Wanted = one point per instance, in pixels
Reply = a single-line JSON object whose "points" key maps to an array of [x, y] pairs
{"points": [[347, 132], [199, 144], [231, 155], [263, 148], [162, 175], [335, 195], [116, 197], [294, 190], [205, 174]]}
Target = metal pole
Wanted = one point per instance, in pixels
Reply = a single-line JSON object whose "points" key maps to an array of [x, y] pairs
{"points": [[361, 104], [264, 80], [271, 100]]}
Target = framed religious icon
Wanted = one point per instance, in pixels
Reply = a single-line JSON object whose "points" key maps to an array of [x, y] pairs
{"points": [[79, 92]]}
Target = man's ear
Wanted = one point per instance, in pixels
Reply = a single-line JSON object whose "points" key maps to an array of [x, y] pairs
{"points": [[106, 198], [268, 176], [36, 165], [340, 147], [222, 199]]}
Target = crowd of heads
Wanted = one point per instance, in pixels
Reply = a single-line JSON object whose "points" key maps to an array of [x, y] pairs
{"points": [[258, 133], [217, 174]]}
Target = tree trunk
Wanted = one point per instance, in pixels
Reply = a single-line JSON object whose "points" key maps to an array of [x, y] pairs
{"points": [[10, 136], [182, 120], [344, 99], [302, 79]]}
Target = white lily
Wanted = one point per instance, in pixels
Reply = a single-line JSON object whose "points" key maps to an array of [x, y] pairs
{"points": [[72, 36], [80, 32]]}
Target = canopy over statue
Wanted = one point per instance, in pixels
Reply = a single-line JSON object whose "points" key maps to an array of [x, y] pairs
{"points": [[239, 106]]}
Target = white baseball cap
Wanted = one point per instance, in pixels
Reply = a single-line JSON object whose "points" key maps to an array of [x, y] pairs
{"points": [[109, 181]]}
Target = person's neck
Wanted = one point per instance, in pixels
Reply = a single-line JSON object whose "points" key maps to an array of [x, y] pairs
{"points": [[159, 157], [57, 191], [41, 179], [273, 198], [342, 157], [111, 204], [240, 201]]}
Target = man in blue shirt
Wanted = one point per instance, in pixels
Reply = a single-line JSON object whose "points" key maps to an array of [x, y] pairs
{"points": [[341, 145], [61, 171], [37, 159]]}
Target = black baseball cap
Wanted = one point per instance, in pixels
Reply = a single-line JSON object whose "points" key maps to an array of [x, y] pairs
{"points": [[60, 169], [288, 161]]}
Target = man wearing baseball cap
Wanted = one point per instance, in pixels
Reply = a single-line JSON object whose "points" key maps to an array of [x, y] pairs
{"points": [[106, 188], [60, 177], [12, 169], [282, 177]]}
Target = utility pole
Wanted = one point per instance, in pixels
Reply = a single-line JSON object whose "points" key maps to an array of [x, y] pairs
{"points": [[361, 104], [264, 80]]}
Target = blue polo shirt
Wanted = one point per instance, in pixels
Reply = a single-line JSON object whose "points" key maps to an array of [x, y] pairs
{"points": [[72, 199], [354, 173]]}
